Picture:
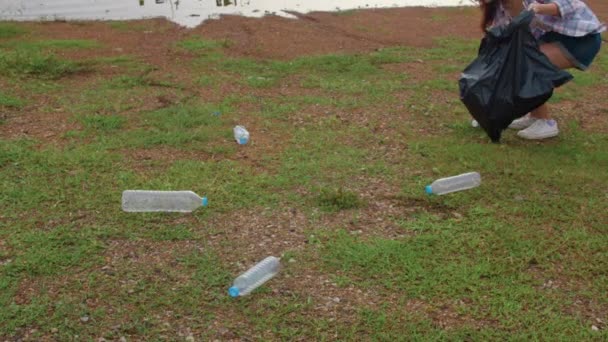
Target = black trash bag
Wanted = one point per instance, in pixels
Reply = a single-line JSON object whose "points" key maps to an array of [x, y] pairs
{"points": [[509, 78]]}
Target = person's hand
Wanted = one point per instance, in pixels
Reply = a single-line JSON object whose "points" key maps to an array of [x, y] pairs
{"points": [[534, 7]]}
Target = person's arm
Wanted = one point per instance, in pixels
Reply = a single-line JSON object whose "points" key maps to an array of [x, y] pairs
{"points": [[557, 8]]}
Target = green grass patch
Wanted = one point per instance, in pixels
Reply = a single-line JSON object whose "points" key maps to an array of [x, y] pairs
{"points": [[120, 25], [257, 73], [201, 45], [354, 65], [174, 233], [390, 55], [438, 17], [121, 59], [353, 74], [104, 123], [128, 82], [51, 44], [114, 96], [127, 62], [179, 126], [61, 173], [316, 150], [346, 73], [53, 252], [577, 87], [454, 49], [36, 65], [9, 30], [135, 26], [10, 101], [340, 199]]}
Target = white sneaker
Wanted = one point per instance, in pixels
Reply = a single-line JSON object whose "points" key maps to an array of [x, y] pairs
{"points": [[523, 122], [540, 129], [474, 123]]}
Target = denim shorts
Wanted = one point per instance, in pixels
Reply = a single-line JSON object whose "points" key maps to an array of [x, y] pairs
{"points": [[579, 50]]}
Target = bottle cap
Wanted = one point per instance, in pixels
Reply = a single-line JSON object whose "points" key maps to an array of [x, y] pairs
{"points": [[234, 291], [429, 189], [204, 202]]}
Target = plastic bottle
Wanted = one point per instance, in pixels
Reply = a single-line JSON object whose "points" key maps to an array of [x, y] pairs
{"points": [[166, 201], [241, 135], [456, 183], [255, 276]]}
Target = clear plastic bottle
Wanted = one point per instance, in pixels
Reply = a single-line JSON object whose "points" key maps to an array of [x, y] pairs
{"points": [[455, 183], [241, 135], [255, 276], [166, 201]]}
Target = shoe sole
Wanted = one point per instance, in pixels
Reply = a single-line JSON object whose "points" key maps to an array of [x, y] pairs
{"points": [[540, 137]]}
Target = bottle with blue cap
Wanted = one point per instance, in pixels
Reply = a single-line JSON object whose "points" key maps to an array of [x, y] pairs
{"points": [[255, 277], [241, 135], [161, 201], [447, 185]]}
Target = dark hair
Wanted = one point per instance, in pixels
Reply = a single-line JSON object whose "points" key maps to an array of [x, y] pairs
{"points": [[488, 9]]}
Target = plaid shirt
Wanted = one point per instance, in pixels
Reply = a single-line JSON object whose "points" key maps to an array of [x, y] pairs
{"points": [[576, 19]]}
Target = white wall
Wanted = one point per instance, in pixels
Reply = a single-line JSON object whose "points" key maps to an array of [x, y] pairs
{"points": [[189, 12]]}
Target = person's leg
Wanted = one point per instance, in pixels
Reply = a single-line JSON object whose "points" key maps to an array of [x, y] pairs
{"points": [[556, 55], [559, 59], [538, 124]]}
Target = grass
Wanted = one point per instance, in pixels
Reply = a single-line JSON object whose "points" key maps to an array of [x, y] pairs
{"points": [[37, 65], [37, 59], [179, 125], [200, 45], [10, 101], [127, 26], [329, 72], [103, 123], [332, 181], [8, 30], [576, 87], [340, 199], [57, 44]]}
